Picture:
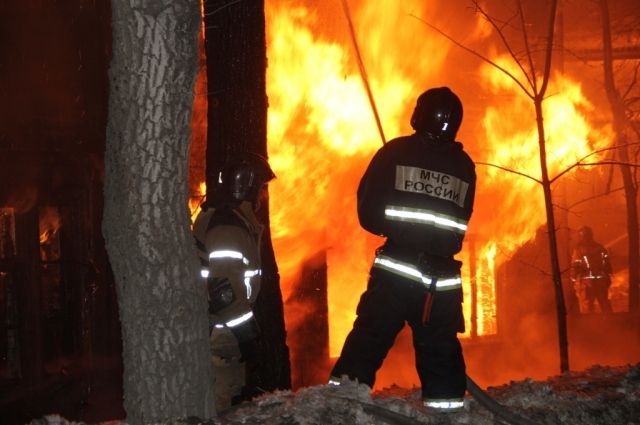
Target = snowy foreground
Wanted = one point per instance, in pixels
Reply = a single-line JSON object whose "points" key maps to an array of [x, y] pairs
{"points": [[599, 395]]}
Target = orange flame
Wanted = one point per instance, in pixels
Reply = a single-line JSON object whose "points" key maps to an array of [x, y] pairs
{"points": [[513, 139], [321, 135], [49, 224], [195, 200], [510, 128]]}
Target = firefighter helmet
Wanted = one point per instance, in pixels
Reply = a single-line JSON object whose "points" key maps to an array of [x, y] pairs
{"points": [[585, 234], [438, 112], [242, 177]]}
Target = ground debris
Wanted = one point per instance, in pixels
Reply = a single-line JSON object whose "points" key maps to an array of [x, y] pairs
{"points": [[598, 395]]}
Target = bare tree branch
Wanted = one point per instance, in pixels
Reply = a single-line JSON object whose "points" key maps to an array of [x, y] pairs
{"points": [[591, 198], [633, 82], [509, 170], [586, 164], [363, 70], [610, 148], [506, 44], [547, 59], [610, 179], [525, 36], [565, 171], [580, 162], [473, 52]]}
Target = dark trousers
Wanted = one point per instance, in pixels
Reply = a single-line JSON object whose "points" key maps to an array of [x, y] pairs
{"points": [[598, 290], [384, 307]]}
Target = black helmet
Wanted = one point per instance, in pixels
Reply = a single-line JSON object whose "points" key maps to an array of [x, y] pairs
{"points": [[585, 233], [242, 177], [438, 112]]}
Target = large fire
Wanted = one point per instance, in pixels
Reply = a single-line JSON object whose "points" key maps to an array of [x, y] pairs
{"points": [[322, 133]]}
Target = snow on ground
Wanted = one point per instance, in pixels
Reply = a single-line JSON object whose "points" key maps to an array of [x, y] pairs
{"points": [[599, 395]]}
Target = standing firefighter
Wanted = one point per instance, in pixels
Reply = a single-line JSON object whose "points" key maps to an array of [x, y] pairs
{"points": [[418, 192], [227, 235], [591, 272]]}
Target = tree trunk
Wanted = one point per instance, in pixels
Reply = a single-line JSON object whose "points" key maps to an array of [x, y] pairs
{"points": [[237, 121], [163, 309], [561, 310], [620, 123]]}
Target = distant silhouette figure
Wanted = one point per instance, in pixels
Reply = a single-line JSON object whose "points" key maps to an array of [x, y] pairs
{"points": [[591, 272]]}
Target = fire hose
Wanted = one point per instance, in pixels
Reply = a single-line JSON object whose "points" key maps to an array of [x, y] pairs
{"points": [[501, 412], [391, 417], [494, 407]]}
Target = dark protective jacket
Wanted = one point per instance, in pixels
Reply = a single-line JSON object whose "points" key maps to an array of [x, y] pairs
{"points": [[228, 241], [590, 261], [419, 194]]}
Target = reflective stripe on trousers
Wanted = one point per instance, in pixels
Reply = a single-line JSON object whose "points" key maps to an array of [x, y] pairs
{"points": [[236, 321], [410, 271], [445, 405]]}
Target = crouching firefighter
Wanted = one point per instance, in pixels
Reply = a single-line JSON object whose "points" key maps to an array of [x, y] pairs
{"points": [[227, 235], [418, 192]]}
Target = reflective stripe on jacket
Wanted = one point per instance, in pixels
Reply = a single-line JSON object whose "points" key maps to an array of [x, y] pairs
{"points": [[228, 248], [419, 194], [590, 261]]}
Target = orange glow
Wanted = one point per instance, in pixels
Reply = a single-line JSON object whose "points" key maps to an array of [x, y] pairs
{"points": [[49, 230], [485, 281], [513, 139], [511, 128], [197, 149], [321, 135], [49, 224], [570, 136], [195, 200]]}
